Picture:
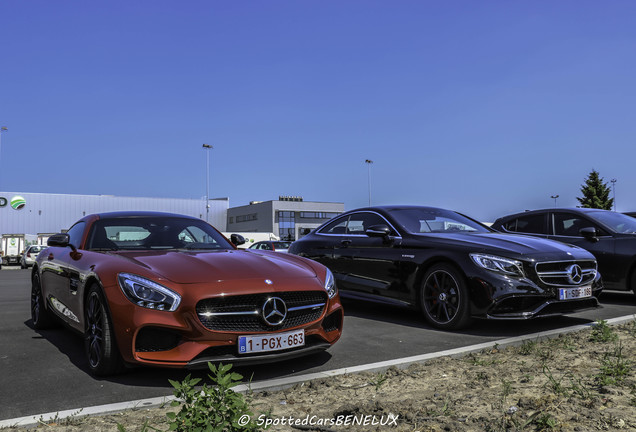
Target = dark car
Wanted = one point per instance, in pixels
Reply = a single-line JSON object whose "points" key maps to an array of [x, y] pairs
{"points": [[610, 236], [450, 266], [169, 290]]}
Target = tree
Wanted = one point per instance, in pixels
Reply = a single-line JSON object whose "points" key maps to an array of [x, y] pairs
{"points": [[595, 193]]}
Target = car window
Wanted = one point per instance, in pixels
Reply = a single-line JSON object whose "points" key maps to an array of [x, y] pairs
{"points": [[354, 224], [568, 224], [360, 222], [532, 224], [75, 233], [281, 245], [339, 226]]}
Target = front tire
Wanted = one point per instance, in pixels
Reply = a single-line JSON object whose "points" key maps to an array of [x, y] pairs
{"points": [[99, 337], [444, 298], [40, 315]]}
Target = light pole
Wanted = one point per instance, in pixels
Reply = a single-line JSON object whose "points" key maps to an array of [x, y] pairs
{"points": [[614, 191], [369, 162], [554, 197], [2, 129], [207, 148]]}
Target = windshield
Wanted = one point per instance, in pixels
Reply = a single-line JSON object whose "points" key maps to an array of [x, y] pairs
{"points": [[152, 233], [618, 222], [430, 220]]}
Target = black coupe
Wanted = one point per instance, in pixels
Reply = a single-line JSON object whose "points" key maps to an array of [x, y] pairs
{"points": [[450, 266]]}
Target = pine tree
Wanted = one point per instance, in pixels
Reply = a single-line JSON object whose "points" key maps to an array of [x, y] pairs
{"points": [[595, 193]]}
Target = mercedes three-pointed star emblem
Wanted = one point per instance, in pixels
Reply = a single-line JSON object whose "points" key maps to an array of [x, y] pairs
{"points": [[575, 274], [274, 311]]}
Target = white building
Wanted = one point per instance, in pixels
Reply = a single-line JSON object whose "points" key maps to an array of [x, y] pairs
{"points": [[35, 213]]}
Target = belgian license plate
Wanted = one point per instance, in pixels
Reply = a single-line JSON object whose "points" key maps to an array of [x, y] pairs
{"points": [[271, 342], [575, 293]]}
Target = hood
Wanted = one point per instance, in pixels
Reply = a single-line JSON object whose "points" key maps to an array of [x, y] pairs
{"points": [[190, 267], [513, 246]]}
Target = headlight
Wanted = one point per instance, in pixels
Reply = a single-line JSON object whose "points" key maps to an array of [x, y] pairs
{"points": [[330, 284], [497, 264], [146, 293]]}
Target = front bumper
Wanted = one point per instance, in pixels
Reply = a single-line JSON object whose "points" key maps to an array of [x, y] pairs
{"points": [[504, 298], [180, 340]]}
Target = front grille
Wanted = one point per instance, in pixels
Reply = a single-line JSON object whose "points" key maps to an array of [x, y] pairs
{"points": [[244, 313], [564, 273]]}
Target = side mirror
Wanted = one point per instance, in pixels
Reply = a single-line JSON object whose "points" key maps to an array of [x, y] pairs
{"points": [[59, 240], [589, 233], [378, 231], [237, 239]]}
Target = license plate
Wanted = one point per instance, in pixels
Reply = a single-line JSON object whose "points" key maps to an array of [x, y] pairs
{"points": [[271, 342], [575, 293]]}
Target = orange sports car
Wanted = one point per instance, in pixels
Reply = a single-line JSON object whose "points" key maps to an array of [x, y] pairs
{"points": [[169, 290]]}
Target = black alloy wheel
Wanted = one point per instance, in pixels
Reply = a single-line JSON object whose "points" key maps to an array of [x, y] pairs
{"points": [[444, 298], [40, 315], [99, 339]]}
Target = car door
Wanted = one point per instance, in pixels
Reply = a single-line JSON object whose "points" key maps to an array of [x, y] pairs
{"points": [[565, 227], [366, 264], [61, 277]]}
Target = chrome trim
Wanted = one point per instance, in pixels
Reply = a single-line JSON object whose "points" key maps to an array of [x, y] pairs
{"points": [[211, 314], [565, 274], [317, 305]]}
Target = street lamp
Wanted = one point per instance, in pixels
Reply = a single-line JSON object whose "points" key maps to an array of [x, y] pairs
{"points": [[369, 162], [614, 191], [207, 148], [2, 129], [554, 197]]}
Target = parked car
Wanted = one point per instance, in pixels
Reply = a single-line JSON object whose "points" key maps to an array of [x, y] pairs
{"points": [[29, 255], [450, 266], [278, 246], [610, 236], [169, 290]]}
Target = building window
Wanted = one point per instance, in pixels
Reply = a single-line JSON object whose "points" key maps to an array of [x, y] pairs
{"points": [[287, 225], [231, 219], [318, 215], [246, 218]]}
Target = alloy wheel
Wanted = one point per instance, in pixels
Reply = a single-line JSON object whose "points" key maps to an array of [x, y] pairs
{"points": [[95, 326], [441, 297]]}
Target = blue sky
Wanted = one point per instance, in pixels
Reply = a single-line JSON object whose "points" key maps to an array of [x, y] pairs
{"points": [[486, 107]]}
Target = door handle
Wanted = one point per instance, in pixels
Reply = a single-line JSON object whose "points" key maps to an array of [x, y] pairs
{"points": [[345, 242], [50, 257]]}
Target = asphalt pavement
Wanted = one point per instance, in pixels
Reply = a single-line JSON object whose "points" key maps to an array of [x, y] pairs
{"points": [[46, 371]]}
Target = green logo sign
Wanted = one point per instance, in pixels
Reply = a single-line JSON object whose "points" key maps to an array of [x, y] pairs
{"points": [[17, 202]]}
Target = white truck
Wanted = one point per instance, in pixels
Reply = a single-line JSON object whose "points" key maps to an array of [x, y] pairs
{"points": [[43, 238], [13, 245], [252, 237]]}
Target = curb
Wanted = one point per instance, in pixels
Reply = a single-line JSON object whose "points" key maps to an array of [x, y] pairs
{"points": [[283, 383]]}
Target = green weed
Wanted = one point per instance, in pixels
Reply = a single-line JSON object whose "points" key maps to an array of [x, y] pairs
{"points": [[601, 332]]}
